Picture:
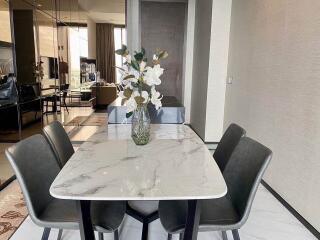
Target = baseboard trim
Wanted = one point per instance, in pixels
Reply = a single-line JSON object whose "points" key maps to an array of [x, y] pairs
{"points": [[301, 219]]}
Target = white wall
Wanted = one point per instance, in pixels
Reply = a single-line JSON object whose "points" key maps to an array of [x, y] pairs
{"points": [[188, 59], [5, 29], [210, 60], [275, 95], [201, 56], [133, 25], [218, 65], [206, 51], [92, 34]]}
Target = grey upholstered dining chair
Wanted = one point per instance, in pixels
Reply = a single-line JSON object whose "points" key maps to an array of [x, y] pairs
{"points": [[145, 212], [35, 166], [227, 144], [62, 147], [242, 174], [59, 142]]}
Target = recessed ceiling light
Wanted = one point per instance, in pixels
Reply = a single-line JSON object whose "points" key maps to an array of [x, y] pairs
{"points": [[39, 5]]}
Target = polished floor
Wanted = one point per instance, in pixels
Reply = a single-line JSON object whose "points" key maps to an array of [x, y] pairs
{"points": [[268, 220], [77, 133]]}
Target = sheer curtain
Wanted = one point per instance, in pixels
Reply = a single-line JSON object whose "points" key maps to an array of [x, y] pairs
{"points": [[105, 52]]}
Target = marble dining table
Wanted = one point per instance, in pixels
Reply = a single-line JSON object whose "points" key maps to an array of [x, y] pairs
{"points": [[174, 165]]}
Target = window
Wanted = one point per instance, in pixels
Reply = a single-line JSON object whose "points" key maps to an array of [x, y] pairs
{"points": [[120, 37], [78, 38]]}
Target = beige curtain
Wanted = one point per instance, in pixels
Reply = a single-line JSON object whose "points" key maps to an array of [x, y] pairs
{"points": [[105, 52]]}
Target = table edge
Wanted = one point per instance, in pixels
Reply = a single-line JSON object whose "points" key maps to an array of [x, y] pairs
{"points": [[79, 198]]}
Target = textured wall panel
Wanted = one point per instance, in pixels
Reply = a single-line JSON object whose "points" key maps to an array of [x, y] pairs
{"points": [[162, 26], [274, 57]]}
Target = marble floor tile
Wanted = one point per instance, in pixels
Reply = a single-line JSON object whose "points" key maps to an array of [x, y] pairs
{"points": [[268, 220]]}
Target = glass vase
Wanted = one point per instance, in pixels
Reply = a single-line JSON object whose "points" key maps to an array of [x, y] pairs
{"points": [[140, 129]]}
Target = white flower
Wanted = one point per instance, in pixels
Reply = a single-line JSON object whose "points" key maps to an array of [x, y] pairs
{"points": [[155, 57], [145, 95], [121, 94], [128, 86], [128, 58], [156, 98], [152, 76], [142, 66], [125, 72], [131, 104]]}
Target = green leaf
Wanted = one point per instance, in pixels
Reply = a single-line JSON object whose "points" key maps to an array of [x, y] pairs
{"points": [[120, 68], [123, 51], [135, 65], [139, 100], [139, 56], [128, 77], [143, 51], [124, 47], [135, 85], [163, 54], [127, 92], [120, 52], [129, 114]]}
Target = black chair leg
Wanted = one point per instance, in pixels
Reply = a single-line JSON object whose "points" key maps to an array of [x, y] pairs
{"points": [[60, 234], [65, 105], [169, 236], [116, 234], [100, 235], [45, 234], [235, 234], [224, 235]]}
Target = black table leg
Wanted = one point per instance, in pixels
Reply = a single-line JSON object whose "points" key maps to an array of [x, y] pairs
{"points": [[145, 229], [144, 219], [85, 224], [193, 218]]}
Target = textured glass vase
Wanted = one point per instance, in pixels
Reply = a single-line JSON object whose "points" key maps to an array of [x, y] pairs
{"points": [[140, 130]]}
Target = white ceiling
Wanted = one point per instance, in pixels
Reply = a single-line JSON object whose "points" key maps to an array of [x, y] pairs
{"points": [[104, 11], [100, 11]]}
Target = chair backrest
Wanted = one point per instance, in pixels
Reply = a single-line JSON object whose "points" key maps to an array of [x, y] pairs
{"points": [[64, 87], [244, 172], [59, 142], [8, 90], [227, 144], [35, 167]]}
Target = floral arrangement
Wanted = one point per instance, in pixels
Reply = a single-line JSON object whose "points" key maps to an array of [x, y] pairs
{"points": [[138, 80]]}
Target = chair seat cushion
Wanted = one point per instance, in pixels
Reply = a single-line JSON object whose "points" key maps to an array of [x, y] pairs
{"points": [[60, 214], [215, 215], [106, 215], [144, 207]]}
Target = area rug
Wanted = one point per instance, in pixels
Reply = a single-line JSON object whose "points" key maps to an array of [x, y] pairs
{"points": [[77, 121], [96, 119], [13, 210]]}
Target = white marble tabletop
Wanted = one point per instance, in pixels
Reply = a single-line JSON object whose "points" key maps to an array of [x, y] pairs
{"points": [[174, 165]]}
